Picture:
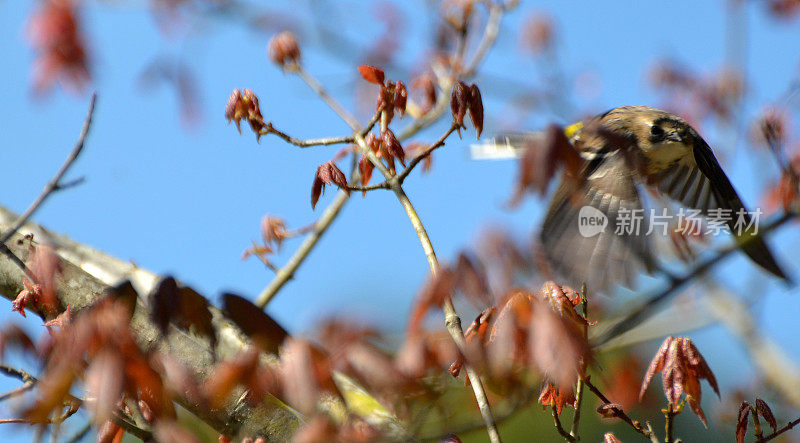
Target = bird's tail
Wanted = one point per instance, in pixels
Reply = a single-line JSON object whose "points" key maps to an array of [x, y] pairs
{"points": [[756, 248]]}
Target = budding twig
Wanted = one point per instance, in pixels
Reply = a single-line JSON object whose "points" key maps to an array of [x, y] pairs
{"points": [[117, 416], [411, 165], [452, 321], [618, 412]]}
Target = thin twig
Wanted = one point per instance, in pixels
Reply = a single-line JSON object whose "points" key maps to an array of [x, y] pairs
{"points": [[780, 431], [452, 321], [618, 412], [305, 143], [286, 272], [55, 183], [560, 428], [669, 415], [80, 434], [640, 314], [118, 416], [411, 165], [17, 391], [17, 261], [317, 87], [576, 418], [487, 40], [422, 155]]}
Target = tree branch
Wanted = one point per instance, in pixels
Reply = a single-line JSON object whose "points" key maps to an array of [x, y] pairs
{"points": [[640, 314], [55, 183], [117, 416], [452, 321], [618, 412]]}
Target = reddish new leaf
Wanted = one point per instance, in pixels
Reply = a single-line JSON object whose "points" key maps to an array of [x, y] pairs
{"points": [[265, 332], [459, 102], [742, 421], [61, 320], [169, 431], [55, 33], [365, 168], [166, 303], [682, 367], [540, 161], [45, 265], [400, 97], [476, 108], [372, 74], [393, 146], [283, 48], [327, 173], [110, 432], [471, 280], [764, 410], [609, 410], [104, 384], [554, 397], [13, 335], [557, 348], [245, 370], [450, 438]]}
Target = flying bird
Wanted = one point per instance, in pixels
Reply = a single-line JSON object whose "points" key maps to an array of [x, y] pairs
{"points": [[624, 151]]}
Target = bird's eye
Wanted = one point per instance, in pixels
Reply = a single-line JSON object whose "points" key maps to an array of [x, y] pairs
{"points": [[656, 131]]}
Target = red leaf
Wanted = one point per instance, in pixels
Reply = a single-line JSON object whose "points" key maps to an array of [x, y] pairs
{"points": [[400, 97], [266, 333], [61, 319], [110, 432], [316, 191], [372, 74], [459, 102], [169, 431], [393, 146], [104, 384], [283, 48], [742, 422], [327, 173], [12, 334], [764, 410], [476, 108]]}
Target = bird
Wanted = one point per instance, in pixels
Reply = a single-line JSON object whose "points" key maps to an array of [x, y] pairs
{"points": [[624, 151]]}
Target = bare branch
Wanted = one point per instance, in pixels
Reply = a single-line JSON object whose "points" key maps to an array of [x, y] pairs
{"points": [[317, 87], [780, 431], [118, 416], [301, 143], [559, 427], [644, 311], [422, 155], [55, 183]]}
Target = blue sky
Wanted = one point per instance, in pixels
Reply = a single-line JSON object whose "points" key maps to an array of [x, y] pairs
{"points": [[187, 201]]}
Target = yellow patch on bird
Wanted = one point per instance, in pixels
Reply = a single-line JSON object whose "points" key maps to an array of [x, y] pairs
{"points": [[570, 130]]}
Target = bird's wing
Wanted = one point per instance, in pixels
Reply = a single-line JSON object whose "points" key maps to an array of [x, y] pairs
{"points": [[699, 182], [609, 186]]}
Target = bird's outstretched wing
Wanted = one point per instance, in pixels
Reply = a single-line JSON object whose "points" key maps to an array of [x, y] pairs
{"points": [[601, 260], [698, 182]]}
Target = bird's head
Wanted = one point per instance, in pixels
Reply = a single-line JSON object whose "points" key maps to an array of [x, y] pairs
{"points": [[662, 138]]}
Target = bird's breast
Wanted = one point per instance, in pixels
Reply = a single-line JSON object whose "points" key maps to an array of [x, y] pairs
{"points": [[663, 155]]}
